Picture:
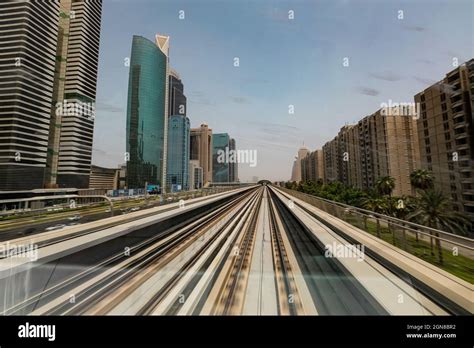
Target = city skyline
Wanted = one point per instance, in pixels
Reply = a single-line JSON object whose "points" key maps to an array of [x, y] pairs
{"points": [[387, 64]]}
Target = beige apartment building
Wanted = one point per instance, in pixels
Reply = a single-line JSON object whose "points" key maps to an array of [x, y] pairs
{"points": [[312, 168], [381, 144], [446, 135], [296, 171], [201, 150]]}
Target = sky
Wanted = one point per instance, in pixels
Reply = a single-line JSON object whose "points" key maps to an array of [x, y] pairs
{"points": [[290, 53]]}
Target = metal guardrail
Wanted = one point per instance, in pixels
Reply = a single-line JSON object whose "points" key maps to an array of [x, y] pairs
{"points": [[411, 237]]}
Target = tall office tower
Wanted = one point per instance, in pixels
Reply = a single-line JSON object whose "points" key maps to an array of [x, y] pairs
{"points": [[201, 150], [220, 164], [29, 39], [195, 175], [312, 166], [177, 99], [72, 117], [178, 153], [446, 135], [379, 145], [234, 166], [296, 171], [147, 112]]}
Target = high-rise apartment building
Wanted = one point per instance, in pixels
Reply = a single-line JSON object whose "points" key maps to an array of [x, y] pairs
{"points": [[446, 135], [296, 170], [147, 112], [72, 118], [312, 166], [378, 145], [178, 153], [201, 150], [27, 61], [177, 99]]}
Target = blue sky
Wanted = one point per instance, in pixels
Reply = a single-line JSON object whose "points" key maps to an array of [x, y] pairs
{"points": [[282, 62]]}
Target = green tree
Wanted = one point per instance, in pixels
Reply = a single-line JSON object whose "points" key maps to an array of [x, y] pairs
{"points": [[422, 179], [385, 185], [435, 210], [376, 204]]}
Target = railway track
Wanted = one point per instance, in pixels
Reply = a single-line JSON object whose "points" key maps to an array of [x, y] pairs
{"points": [[250, 254]]}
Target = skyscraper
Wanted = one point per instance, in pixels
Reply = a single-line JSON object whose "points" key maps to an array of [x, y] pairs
{"points": [[201, 150], [220, 164], [312, 166], [234, 166], [52, 70], [29, 40], [177, 99], [147, 112], [446, 135], [72, 119], [296, 171], [178, 153]]}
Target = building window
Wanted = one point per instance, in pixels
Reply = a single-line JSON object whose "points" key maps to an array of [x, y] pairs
{"points": [[446, 126], [425, 124], [459, 130], [447, 136], [443, 97], [445, 116], [444, 107], [427, 133]]}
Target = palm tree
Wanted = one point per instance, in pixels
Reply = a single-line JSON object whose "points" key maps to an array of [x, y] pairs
{"points": [[385, 185], [422, 179], [377, 205], [434, 210]]}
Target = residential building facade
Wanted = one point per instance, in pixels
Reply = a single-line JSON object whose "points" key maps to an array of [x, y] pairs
{"points": [[446, 135]]}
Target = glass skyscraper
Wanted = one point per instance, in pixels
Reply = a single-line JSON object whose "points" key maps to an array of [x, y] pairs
{"points": [[220, 169], [177, 99], [178, 153], [147, 112]]}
